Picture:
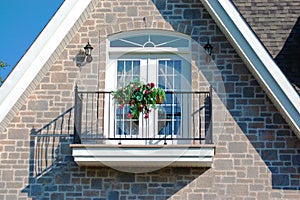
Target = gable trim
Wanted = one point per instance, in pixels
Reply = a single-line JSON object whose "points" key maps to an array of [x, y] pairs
{"points": [[26, 72], [257, 59]]}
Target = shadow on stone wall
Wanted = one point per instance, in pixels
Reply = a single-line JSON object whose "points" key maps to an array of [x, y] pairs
{"points": [[54, 175], [247, 103], [288, 58], [275, 142], [49, 147], [70, 181]]}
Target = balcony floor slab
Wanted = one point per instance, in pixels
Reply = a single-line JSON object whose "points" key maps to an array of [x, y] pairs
{"points": [[194, 155]]}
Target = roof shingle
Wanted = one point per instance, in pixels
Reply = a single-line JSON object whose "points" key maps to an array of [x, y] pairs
{"points": [[277, 25]]}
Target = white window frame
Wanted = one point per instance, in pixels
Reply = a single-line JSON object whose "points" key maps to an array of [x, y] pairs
{"points": [[132, 53]]}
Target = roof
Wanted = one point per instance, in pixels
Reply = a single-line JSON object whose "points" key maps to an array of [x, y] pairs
{"points": [[277, 25], [66, 21], [266, 18]]}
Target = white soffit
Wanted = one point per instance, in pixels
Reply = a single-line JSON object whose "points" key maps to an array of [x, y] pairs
{"points": [[39, 53], [258, 60]]}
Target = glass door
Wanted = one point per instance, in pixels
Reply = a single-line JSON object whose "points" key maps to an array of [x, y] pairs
{"points": [[170, 72], [127, 71]]}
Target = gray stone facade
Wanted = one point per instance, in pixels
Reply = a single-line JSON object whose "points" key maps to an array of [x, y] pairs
{"points": [[257, 155]]}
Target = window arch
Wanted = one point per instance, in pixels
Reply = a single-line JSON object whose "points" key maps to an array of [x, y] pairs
{"points": [[149, 40]]}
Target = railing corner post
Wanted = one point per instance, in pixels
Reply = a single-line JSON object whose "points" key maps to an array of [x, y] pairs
{"points": [[210, 129], [77, 117]]}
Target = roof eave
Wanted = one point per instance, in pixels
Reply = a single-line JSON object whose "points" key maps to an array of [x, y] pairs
{"points": [[257, 59], [38, 54]]}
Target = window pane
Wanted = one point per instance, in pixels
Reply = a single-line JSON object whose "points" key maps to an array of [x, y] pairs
{"points": [[177, 66], [170, 67], [161, 82], [120, 67], [127, 70], [169, 74], [161, 65], [170, 84], [136, 68], [128, 67]]}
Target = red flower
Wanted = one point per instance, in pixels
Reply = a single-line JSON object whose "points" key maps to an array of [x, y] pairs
{"points": [[146, 92], [130, 115], [121, 106], [141, 108], [152, 84], [137, 89], [146, 115]]}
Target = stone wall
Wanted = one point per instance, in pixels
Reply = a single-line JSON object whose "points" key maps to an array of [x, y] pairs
{"points": [[257, 155]]}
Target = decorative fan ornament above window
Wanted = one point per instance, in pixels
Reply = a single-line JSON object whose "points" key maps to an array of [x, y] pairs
{"points": [[150, 39]]}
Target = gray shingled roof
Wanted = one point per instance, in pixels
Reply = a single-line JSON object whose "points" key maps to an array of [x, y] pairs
{"points": [[277, 25], [271, 20]]}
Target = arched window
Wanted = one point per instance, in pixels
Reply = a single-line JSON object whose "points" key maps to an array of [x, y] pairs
{"points": [[161, 57], [149, 39]]}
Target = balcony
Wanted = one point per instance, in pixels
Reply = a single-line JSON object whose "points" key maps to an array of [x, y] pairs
{"points": [[177, 133]]}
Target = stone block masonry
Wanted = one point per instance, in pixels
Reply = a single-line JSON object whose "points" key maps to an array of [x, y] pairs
{"points": [[256, 152], [70, 182]]}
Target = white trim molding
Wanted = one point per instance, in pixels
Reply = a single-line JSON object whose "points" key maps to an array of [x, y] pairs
{"points": [[143, 155], [39, 53]]}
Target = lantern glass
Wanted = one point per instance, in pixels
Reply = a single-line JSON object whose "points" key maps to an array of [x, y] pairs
{"points": [[208, 48], [88, 49]]}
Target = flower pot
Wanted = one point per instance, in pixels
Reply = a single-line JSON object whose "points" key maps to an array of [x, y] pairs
{"points": [[159, 99]]}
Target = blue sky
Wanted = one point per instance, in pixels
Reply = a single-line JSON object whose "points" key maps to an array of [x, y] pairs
{"points": [[21, 21]]}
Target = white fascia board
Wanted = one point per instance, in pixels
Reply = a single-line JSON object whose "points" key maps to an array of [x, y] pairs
{"points": [[131, 164], [143, 157], [257, 59], [39, 53], [143, 152]]}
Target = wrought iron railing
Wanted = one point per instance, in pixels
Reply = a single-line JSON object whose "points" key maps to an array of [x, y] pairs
{"points": [[48, 144], [185, 117]]}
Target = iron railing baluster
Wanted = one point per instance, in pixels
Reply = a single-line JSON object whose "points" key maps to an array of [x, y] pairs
{"points": [[177, 127], [77, 117]]}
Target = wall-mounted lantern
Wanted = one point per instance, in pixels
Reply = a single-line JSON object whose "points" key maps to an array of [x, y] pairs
{"points": [[208, 48], [88, 52], [84, 57]]}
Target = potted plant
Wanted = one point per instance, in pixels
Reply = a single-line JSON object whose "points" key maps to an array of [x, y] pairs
{"points": [[160, 95], [140, 97]]}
